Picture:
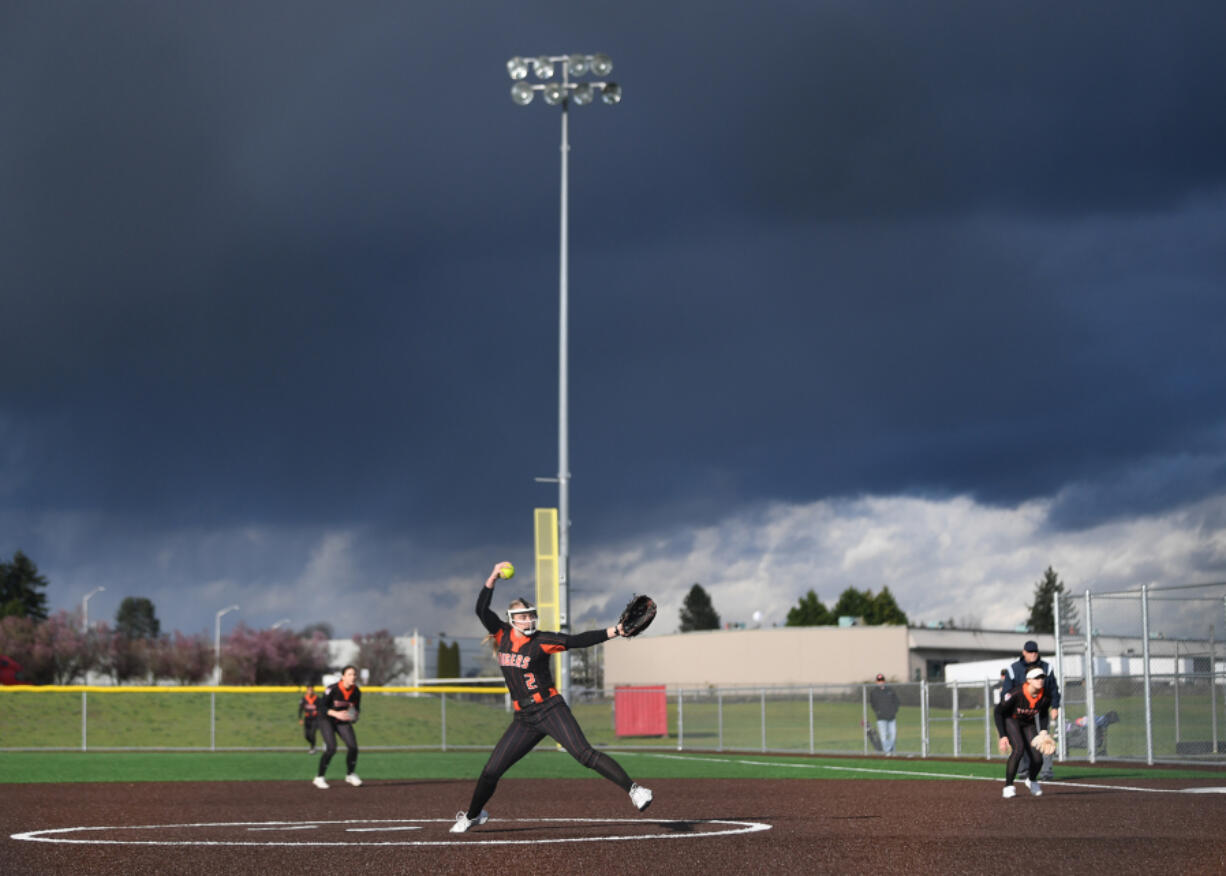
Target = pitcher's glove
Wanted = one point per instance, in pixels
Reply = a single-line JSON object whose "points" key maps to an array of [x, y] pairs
{"points": [[637, 616], [1043, 743]]}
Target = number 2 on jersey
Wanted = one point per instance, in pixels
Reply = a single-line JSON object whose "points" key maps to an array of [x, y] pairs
{"points": [[530, 680]]}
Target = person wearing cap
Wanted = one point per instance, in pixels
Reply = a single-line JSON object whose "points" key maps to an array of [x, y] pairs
{"points": [[1017, 675], [1021, 715], [885, 706]]}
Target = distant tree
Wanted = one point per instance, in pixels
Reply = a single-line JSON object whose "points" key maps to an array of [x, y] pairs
{"points": [[185, 659], [1046, 589], [21, 587], [697, 611], [61, 650], [122, 657], [809, 612], [884, 611], [1069, 620], [17, 642], [271, 657], [854, 603], [379, 655], [448, 659], [321, 627], [137, 619]]}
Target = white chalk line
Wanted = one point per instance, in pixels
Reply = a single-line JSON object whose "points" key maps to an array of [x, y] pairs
{"points": [[915, 773], [56, 835]]}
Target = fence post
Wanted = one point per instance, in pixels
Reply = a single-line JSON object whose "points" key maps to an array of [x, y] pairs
{"points": [[1057, 623], [1149, 711], [1091, 730], [680, 719], [212, 720], [719, 715], [864, 716], [84, 723], [1213, 689], [810, 720], [443, 700], [957, 724], [924, 718], [987, 719], [764, 719]]}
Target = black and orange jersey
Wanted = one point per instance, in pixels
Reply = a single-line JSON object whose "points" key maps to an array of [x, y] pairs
{"points": [[337, 699], [1018, 704], [524, 660], [308, 706]]}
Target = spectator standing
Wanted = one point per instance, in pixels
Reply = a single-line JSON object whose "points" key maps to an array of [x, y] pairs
{"points": [[884, 702]]}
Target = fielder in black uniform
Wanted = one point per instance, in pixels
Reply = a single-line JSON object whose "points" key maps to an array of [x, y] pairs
{"points": [[1020, 715], [308, 715], [540, 711], [339, 709]]}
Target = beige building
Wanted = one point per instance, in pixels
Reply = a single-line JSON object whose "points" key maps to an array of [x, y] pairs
{"points": [[805, 655]]}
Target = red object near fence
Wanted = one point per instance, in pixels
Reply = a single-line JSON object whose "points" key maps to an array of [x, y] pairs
{"points": [[9, 670], [640, 711]]}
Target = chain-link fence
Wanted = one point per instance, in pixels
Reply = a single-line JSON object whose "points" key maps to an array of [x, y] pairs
{"points": [[1143, 674]]}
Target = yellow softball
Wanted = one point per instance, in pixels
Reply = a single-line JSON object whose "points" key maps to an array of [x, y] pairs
{"points": [[507, 571]]}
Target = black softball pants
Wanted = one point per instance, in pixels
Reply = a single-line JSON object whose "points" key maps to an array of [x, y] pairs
{"points": [[330, 729], [1020, 736], [309, 729], [530, 726]]}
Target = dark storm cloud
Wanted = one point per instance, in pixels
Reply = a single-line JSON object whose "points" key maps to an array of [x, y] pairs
{"points": [[297, 265]]}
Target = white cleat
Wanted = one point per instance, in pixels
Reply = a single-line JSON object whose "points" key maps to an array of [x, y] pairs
{"points": [[1009, 792], [640, 797], [353, 779], [1035, 789], [463, 822], [319, 783]]}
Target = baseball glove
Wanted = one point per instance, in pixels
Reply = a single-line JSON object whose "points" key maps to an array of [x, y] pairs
{"points": [[1043, 743], [637, 616]]}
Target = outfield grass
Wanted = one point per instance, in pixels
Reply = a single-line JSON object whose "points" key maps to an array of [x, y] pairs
{"points": [[263, 719], [34, 767]]}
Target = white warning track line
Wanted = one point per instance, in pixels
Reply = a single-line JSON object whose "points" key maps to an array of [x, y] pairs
{"points": [[917, 773], [56, 835]]}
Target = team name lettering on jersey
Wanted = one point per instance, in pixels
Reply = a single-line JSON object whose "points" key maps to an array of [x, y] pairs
{"points": [[519, 661]]}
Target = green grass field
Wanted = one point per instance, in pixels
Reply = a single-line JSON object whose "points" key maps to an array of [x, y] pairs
{"points": [[743, 722], [27, 767]]}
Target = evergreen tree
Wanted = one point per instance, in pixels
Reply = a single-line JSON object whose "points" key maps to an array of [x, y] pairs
{"points": [[448, 659], [21, 587], [884, 610], [809, 612], [697, 612], [854, 603], [1047, 589], [1069, 620], [136, 619]]}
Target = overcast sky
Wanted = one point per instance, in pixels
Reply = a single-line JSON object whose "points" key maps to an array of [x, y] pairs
{"points": [[929, 296]]}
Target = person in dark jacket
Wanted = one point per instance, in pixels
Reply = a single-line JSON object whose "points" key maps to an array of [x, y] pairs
{"points": [[884, 703], [1017, 676]]}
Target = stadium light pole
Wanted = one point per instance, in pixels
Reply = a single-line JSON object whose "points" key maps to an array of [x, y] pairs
{"points": [[561, 93], [217, 642], [85, 608]]}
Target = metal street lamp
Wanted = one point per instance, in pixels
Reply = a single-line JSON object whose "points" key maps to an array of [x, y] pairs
{"points": [[561, 93], [217, 643], [85, 608]]}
